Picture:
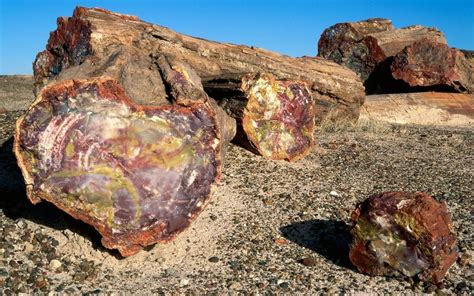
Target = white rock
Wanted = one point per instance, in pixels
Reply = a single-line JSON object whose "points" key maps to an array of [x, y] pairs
{"points": [[54, 264], [184, 282], [334, 193]]}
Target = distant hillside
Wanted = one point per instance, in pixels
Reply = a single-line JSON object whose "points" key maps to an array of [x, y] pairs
{"points": [[16, 92]]}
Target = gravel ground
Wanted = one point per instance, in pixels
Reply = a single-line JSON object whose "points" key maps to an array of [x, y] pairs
{"points": [[272, 227]]}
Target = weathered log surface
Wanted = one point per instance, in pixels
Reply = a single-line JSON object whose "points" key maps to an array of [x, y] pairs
{"points": [[424, 108], [363, 45], [406, 233], [275, 117], [95, 42], [185, 88], [138, 174], [427, 63]]}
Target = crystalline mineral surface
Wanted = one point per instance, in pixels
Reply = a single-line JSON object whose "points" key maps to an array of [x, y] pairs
{"points": [[139, 175], [407, 233]]}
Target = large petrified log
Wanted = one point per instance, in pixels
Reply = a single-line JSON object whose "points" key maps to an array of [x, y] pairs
{"points": [[138, 174], [426, 63], [400, 232], [363, 46], [425, 108], [275, 117], [95, 42]]}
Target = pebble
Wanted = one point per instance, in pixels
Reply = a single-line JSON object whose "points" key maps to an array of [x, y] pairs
{"points": [[334, 193], [55, 264], [28, 247], [235, 286], [214, 259], [309, 261], [184, 282]]}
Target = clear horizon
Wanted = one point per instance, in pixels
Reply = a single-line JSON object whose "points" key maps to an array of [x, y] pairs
{"points": [[287, 27]]}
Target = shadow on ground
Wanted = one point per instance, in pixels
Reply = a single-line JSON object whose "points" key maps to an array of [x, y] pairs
{"points": [[329, 238], [15, 204]]}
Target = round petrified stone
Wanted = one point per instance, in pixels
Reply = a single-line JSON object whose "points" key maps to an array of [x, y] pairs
{"points": [[403, 233]]}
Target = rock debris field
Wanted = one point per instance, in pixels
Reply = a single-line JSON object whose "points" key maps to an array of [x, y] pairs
{"points": [[271, 227]]}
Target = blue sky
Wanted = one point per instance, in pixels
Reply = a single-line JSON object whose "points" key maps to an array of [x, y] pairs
{"points": [[289, 27]]}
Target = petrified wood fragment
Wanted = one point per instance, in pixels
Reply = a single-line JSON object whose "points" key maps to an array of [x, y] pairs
{"points": [[427, 63], [403, 233], [138, 174], [95, 42], [275, 117], [363, 45]]}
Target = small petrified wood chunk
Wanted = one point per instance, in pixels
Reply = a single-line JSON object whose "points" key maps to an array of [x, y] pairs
{"points": [[139, 175], [427, 63], [400, 232], [275, 117]]}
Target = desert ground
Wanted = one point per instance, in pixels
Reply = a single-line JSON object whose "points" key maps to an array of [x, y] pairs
{"points": [[272, 227]]}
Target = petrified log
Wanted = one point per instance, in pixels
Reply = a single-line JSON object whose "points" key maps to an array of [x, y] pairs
{"points": [[363, 45], [138, 174], [185, 88], [274, 117], [403, 233], [95, 42], [424, 108], [427, 63]]}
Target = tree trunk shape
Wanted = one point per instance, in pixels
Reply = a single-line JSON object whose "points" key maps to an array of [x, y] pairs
{"points": [[138, 174], [426, 64], [275, 117], [96, 42], [363, 45]]}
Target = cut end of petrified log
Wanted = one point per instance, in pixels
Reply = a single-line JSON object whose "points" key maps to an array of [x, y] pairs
{"points": [[403, 233], [427, 63], [139, 175], [279, 117]]}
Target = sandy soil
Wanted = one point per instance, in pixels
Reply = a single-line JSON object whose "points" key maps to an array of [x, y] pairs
{"points": [[271, 227]]}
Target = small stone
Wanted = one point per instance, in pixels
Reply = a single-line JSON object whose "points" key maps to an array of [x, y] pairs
{"points": [[235, 286], [55, 264], [214, 259], [461, 287], [28, 247], [309, 261], [184, 282], [334, 194], [464, 259], [284, 285]]}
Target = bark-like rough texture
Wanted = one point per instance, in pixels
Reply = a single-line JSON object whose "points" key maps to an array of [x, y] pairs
{"points": [[428, 63], [363, 45], [186, 89], [400, 232], [275, 117], [139, 175], [95, 42]]}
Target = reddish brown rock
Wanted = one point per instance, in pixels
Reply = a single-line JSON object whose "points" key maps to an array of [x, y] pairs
{"points": [[403, 233], [98, 43], [275, 118], [428, 63], [137, 174], [362, 46]]}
